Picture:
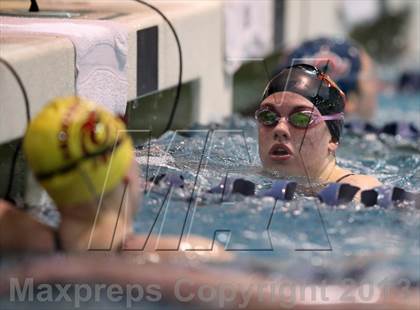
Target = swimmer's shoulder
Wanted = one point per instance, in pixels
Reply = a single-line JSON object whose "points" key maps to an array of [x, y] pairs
{"points": [[364, 182], [20, 232]]}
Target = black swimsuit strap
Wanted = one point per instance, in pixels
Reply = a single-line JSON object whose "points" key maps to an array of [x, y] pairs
{"points": [[57, 242], [343, 177]]}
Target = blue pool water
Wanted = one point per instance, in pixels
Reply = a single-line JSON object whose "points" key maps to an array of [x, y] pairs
{"points": [[305, 240]]}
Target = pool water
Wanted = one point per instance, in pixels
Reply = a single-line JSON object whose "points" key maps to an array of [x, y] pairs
{"points": [[302, 239]]}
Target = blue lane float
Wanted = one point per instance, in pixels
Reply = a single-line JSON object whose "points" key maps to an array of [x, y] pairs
{"points": [[381, 196], [360, 127], [337, 193], [244, 187], [401, 129], [333, 194], [231, 186], [171, 180], [387, 196], [281, 190]]}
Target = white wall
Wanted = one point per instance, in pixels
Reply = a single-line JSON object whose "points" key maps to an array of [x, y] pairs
{"points": [[307, 19], [411, 59]]}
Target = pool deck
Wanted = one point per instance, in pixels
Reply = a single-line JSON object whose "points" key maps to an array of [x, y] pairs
{"points": [[47, 68]]}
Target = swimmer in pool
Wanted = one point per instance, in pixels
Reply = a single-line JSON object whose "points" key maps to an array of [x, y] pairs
{"points": [[83, 157], [348, 64], [300, 121]]}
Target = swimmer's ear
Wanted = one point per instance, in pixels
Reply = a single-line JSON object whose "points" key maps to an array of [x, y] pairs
{"points": [[332, 147]]}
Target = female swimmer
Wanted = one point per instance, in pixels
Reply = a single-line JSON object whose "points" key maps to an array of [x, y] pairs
{"points": [[300, 122]]}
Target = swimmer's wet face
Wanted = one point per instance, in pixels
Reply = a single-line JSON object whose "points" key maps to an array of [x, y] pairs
{"points": [[288, 149], [300, 143], [301, 117]]}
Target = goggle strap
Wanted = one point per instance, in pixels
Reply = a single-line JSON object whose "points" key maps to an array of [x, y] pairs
{"points": [[333, 117]]}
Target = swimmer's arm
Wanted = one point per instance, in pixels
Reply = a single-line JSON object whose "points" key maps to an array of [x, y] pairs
{"points": [[364, 182], [196, 245]]}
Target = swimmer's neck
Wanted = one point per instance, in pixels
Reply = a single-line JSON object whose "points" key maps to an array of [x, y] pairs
{"points": [[331, 172], [106, 232]]}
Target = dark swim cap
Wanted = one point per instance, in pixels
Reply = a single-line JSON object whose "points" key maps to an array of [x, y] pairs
{"points": [[343, 57], [315, 86]]}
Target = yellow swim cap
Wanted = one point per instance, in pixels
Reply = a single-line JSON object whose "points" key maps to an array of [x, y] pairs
{"points": [[77, 150]]}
